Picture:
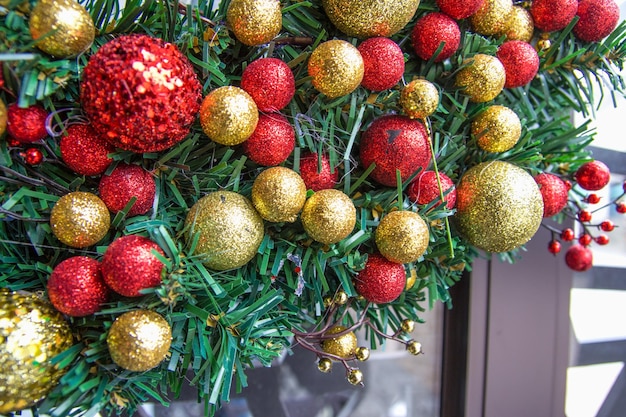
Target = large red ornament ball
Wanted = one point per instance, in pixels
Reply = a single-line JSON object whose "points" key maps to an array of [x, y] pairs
{"points": [[554, 193], [140, 93], [84, 151], [316, 172], [579, 258], [394, 143], [383, 62], [270, 83], [553, 15], [380, 281], [597, 19], [272, 141], [593, 175], [425, 188], [28, 124], [76, 287], [129, 266], [521, 62], [430, 31], [459, 9], [124, 183]]}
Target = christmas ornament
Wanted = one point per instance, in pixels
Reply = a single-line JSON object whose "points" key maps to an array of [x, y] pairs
{"points": [[553, 192], [26, 124], [272, 141], [336, 68], [228, 229], [593, 175], [567, 235], [32, 156], [139, 340], [124, 183], [278, 194], [383, 63], [140, 93], [254, 22], [343, 345], [369, 18], [497, 129], [520, 26], [407, 326], [62, 28], [482, 78], [394, 143], [553, 15], [459, 9], [362, 353], [597, 19], [425, 188], [270, 83], [325, 365], [3, 117], [579, 258], [76, 286], [584, 216], [430, 31], [607, 226], [32, 333], [316, 172], [492, 17], [414, 347], [602, 240], [554, 247], [84, 151], [419, 99], [520, 61], [402, 237], [328, 216], [80, 219], [228, 115], [380, 281], [620, 208], [499, 206], [593, 199], [355, 376]]}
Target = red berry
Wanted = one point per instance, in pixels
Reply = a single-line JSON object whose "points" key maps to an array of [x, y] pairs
{"points": [[567, 235], [579, 258], [584, 216], [568, 184], [602, 240], [585, 240], [621, 208], [32, 156], [607, 226], [593, 199], [554, 247]]}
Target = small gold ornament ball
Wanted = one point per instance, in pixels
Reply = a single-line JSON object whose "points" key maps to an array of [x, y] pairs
{"points": [[419, 99], [543, 44], [254, 22], [228, 115], [355, 376], [80, 219], [340, 298], [407, 326], [342, 346], [69, 26], [492, 17], [278, 194], [499, 206], [482, 78], [520, 26], [325, 365], [414, 347], [31, 333], [362, 353], [497, 129], [139, 340], [336, 68], [328, 216], [402, 236], [3, 117]]}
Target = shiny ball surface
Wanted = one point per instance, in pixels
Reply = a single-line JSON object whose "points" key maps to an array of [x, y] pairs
{"points": [[553, 15], [316, 171], [270, 83], [579, 258], [402, 236], [381, 280], [482, 79], [328, 216], [336, 68], [80, 219], [492, 17], [228, 115], [354, 376], [407, 326], [278, 194], [343, 345], [597, 19], [425, 188], [124, 183], [272, 141], [497, 129], [32, 156], [325, 365], [459, 9], [383, 62], [520, 26], [430, 31], [362, 353], [254, 22], [3, 117], [26, 125], [419, 99], [84, 151], [414, 347], [554, 193], [593, 175], [521, 62]]}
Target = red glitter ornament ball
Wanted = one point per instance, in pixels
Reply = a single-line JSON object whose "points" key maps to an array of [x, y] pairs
{"points": [[32, 156], [521, 62], [315, 177], [76, 286], [380, 281], [430, 31], [593, 175], [459, 9], [597, 19], [553, 15], [272, 141], [383, 62], [124, 183], [28, 124], [270, 83], [394, 143], [425, 188], [554, 193], [128, 265], [140, 93], [84, 151], [579, 258]]}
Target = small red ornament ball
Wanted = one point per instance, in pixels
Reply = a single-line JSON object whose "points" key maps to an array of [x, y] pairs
{"points": [[425, 188], [459, 9], [140, 93], [393, 143], [579, 258], [585, 239], [32, 156], [553, 15], [124, 183], [521, 62], [430, 31], [567, 235], [380, 281], [383, 62], [84, 151], [128, 265], [76, 287], [272, 141], [593, 175], [554, 193], [554, 247], [597, 19], [270, 83], [28, 124], [317, 177]]}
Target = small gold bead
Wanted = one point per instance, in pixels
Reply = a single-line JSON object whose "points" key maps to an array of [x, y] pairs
{"points": [[325, 365], [362, 353], [355, 377], [408, 326], [414, 347], [543, 44], [328, 301], [341, 298]]}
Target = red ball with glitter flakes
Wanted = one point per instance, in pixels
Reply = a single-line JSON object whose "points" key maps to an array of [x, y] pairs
{"points": [[84, 151], [129, 266], [593, 175], [124, 183], [553, 15], [521, 62], [270, 83], [459, 9], [597, 19], [383, 63], [28, 124], [579, 258], [272, 141], [32, 156], [316, 173], [425, 188], [380, 281], [554, 193], [430, 31], [140, 93], [76, 287], [393, 143]]}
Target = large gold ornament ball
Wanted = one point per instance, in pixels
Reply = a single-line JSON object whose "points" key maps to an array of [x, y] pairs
{"points": [[402, 236], [254, 22], [228, 229], [482, 78], [80, 219], [64, 26], [492, 17], [497, 129], [31, 333], [139, 340], [369, 18], [328, 216], [419, 99], [336, 68], [228, 115], [3, 117], [499, 206], [343, 345], [520, 26], [278, 194]]}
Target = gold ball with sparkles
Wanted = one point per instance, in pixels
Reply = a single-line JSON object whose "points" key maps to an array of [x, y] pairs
{"points": [[31, 333], [492, 17], [342, 346], [278, 194], [543, 44], [402, 236], [419, 99], [80, 219], [355, 376], [520, 26], [482, 78], [228, 228], [407, 326], [228, 115], [336, 68], [3, 117], [499, 206], [414, 347], [64, 26], [498, 129], [139, 340], [254, 22], [325, 365], [328, 216], [362, 353], [340, 298]]}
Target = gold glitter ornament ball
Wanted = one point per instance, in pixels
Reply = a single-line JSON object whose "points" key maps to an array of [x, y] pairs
{"points": [[3, 117], [482, 78], [139, 340], [336, 68], [228, 115], [31, 333], [343, 345], [402, 236], [328, 216], [64, 26], [492, 18], [419, 99], [497, 129], [520, 26], [80, 219], [228, 228], [278, 194], [254, 22], [369, 18], [499, 206]]}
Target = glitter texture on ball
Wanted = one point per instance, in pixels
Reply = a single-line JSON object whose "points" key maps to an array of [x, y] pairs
{"points": [[270, 83], [228, 115], [593, 175], [84, 151], [553, 15], [482, 78], [3, 117], [520, 26], [430, 31], [80, 219], [497, 129], [316, 172], [328, 216], [579, 258], [336, 68], [520, 61], [380, 281], [272, 141], [419, 99], [425, 188], [254, 22], [278, 194], [554, 193], [342, 345], [26, 125], [597, 19], [459, 9], [492, 17], [383, 62], [402, 236], [124, 183]]}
